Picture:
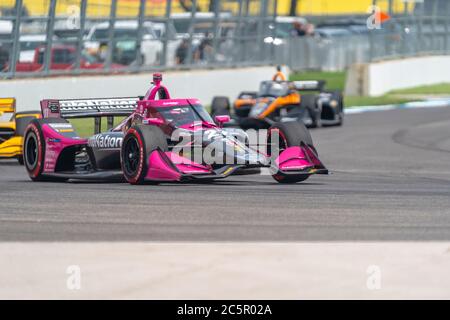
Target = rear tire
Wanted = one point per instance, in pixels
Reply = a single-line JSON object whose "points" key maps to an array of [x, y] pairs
{"points": [[21, 125], [220, 106], [290, 134], [34, 149], [137, 145]]}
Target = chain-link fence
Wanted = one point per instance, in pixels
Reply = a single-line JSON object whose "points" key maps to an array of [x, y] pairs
{"points": [[337, 45], [52, 37], [149, 36]]}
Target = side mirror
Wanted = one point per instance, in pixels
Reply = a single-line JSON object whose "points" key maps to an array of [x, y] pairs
{"points": [[153, 121], [222, 119]]}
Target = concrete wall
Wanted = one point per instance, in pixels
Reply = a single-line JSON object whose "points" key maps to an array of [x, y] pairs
{"points": [[203, 84], [378, 78]]}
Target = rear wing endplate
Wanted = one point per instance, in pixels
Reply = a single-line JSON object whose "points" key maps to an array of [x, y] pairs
{"points": [[7, 105]]}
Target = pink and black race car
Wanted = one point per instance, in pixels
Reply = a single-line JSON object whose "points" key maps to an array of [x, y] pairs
{"points": [[160, 139]]}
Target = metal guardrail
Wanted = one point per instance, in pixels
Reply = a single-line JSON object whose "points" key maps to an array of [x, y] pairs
{"points": [[248, 35]]}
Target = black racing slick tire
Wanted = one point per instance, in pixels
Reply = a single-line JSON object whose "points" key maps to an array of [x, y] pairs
{"points": [[220, 106], [138, 143], [309, 102], [21, 124], [34, 149], [338, 96], [290, 134], [293, 133], [289, 179]]}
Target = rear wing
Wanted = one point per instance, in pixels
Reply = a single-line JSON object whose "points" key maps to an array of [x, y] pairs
{"points": [[7, 105], [88, 108], [309, 85]]}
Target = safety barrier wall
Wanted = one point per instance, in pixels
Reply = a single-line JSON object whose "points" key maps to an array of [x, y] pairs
{"points": [[378, 78], [201, 84]]}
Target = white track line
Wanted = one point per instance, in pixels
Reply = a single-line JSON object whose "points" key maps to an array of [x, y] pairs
{"points": [[408, 105]]}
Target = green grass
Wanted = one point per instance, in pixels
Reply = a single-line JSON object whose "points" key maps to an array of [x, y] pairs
{"points": [[85, 127], [351, 101], [336, 81], [441, 88]]}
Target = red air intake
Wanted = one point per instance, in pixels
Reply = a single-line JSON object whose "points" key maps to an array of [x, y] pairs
{"points": [[157, 78]]}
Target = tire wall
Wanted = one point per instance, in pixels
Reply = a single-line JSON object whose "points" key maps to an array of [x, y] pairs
{"points": [[378, 78]]}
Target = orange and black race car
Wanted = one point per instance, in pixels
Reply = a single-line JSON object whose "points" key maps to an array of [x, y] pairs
{"points": [[12, 127], [279, 100]]}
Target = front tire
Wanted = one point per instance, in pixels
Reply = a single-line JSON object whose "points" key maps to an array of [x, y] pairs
{"points": [[220, 106], [138, 144], [289, 179], [309, 102], [289, 134]]}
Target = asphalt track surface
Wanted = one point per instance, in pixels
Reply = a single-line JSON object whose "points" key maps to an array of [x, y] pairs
{"points": [[390, 181]]}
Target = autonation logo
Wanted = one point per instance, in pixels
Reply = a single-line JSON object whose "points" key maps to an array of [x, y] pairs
{"points": [[102, 141]]}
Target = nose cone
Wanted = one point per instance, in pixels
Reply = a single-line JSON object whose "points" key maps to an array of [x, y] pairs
{"points": [[245, 155], [293, 158]]}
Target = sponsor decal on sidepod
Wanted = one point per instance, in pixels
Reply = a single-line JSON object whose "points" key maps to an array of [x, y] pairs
{"points": [[102, 141]]}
